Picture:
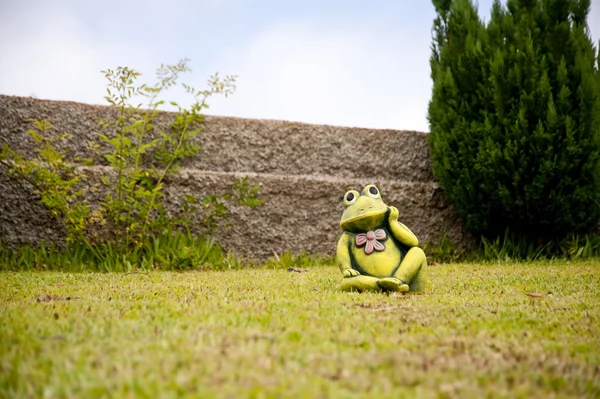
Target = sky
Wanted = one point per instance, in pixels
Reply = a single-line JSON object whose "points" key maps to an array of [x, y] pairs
{"points": [[337, 62]]}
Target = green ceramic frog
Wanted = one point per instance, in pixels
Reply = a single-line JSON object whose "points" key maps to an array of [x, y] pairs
{"points": [[376, 252]]}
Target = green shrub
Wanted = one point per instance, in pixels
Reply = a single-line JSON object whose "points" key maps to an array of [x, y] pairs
{"points": [[515, 117], [132, 214]]}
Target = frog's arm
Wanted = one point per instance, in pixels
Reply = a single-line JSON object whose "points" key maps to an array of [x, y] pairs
{"points": [[343, 254], [400, 231]]}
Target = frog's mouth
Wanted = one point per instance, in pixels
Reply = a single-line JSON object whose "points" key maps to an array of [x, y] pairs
{"points": [[366, 215], [365, 221]]}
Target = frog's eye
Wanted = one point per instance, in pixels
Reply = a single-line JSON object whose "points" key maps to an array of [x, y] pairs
{"points": [[372, 191], [350, 197]]}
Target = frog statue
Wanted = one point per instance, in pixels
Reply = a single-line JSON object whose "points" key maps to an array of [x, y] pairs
{"points": [[376, 252]]}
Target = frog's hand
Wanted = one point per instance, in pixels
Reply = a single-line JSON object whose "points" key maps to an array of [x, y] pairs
{"points": [[343, 254], [350, 273], [400, 231]]}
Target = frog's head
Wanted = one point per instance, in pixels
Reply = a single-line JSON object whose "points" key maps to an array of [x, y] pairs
{"points": [[363, 211]]}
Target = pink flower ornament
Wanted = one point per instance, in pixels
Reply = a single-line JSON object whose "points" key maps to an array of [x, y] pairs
{"points": [[370, 240]]}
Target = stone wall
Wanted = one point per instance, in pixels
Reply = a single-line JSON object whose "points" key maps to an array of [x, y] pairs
{"points": [[303, 171]]}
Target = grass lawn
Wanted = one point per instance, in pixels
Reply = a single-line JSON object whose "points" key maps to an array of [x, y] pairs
{"points": [[273, 333]]}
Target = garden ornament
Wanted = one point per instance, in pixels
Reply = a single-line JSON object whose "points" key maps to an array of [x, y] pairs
{"points": [[376, 252]]}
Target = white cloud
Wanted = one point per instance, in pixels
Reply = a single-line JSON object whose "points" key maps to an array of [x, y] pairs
{"points": [[363, 77], [301, 71], [46, 51], [352, 78]]}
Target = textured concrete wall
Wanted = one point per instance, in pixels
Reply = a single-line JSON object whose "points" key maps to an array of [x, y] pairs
{"points": [[244, 145], [303, 170]]}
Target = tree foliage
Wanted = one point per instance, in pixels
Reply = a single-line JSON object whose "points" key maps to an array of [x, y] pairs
{"points": [[515, 116]]}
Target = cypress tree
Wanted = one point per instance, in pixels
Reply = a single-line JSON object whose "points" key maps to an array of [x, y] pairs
{"points": [[515, 116]]}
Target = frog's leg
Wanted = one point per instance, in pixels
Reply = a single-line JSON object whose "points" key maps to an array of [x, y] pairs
{"points": [[361, 283], [353, 281], [413, 270]]}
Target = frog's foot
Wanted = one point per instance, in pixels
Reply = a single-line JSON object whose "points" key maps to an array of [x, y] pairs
{"points": [[350, 273], [393, 284]]}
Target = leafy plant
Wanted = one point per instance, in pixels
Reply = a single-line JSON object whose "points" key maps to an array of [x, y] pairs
{"points": [[215, 206], [133, 202], [515, 119], [513, 247], [54, 178], [142, 155], [575, 246]]}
